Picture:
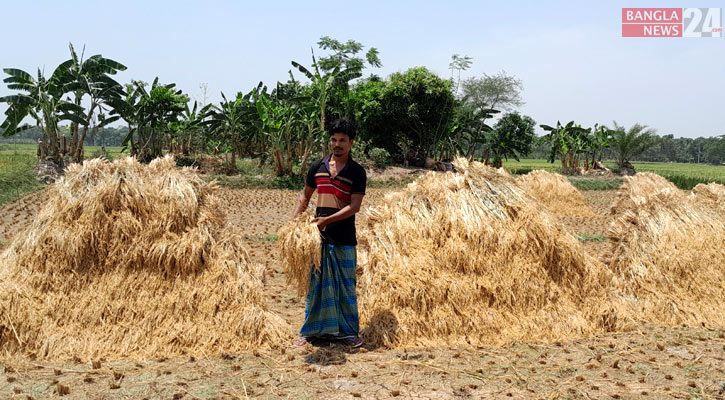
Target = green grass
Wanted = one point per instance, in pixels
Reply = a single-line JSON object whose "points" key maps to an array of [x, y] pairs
{"points": [[684, 176], [593, 238], [596, 184], [32, 149], [17, 175]]}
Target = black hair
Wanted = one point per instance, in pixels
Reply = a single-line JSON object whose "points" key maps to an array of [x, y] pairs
{"points": [[341, 125]]}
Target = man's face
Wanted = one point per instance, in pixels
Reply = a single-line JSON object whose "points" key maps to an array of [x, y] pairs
{"points": [[340, 144]]}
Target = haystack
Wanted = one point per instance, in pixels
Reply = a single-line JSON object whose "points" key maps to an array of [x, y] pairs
{"points": [[128, 260], [556, 193], [469, 257], [711, 195], [668, 253], [635, 192]]}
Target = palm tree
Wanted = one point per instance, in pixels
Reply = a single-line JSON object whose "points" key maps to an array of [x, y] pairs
{"points": [[628, 143]]}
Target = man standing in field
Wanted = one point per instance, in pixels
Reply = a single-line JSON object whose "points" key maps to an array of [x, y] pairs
{"points": [[331, 303]]}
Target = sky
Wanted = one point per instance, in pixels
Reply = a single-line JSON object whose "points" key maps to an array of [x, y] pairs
{"points": [[570, 55]]}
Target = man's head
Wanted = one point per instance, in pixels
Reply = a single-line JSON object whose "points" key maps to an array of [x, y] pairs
{"points": [[342, 134]]}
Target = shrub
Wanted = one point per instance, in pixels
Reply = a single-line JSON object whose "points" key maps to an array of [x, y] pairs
{"points": [[378, 156]]}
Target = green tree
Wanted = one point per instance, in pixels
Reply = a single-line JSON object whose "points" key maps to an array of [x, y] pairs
{"points": [[512, 136], [598, 142], [459, 63], [716, 150], [500, 91], [421, 106], [345, 55], [471, 129], [628, 143]]}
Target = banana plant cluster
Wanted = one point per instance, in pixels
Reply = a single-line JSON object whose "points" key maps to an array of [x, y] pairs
{"points": [[47, 101], [149, 115], [289, 125], [571, 142]]}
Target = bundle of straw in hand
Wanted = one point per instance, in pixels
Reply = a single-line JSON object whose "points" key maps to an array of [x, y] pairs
{"points": [[300, 247]]}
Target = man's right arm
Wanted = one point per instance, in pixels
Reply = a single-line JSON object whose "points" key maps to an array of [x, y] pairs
{"points": [[304, 200]]}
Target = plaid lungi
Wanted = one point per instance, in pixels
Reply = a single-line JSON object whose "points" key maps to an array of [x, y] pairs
{"points": [[331, 304]]}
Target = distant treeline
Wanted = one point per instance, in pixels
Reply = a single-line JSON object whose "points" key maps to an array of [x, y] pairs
{"points": [[106, 136], [667, 148]]}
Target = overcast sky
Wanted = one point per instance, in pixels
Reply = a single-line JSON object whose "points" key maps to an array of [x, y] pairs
{"points": [[571, 57]]}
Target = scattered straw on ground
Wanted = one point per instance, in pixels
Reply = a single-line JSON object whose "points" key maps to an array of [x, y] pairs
{"points": [[668, 253], [556, 193], [128, 260]]}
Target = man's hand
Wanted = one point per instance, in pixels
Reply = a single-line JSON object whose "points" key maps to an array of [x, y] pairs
{"points": [[321, 222]]}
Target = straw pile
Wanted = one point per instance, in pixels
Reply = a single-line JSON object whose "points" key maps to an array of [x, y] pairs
{"points": [[469, 258], [556, 193], [667, 252], [127, 260], [300, 248], [711, 195]]}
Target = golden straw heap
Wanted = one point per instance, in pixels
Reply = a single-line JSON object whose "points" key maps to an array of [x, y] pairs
{"points": [[131, 260]]}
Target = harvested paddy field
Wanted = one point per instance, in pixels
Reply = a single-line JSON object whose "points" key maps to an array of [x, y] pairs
{"points": [[645, 361]]}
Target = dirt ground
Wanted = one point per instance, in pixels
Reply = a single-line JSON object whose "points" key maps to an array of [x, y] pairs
{"points": [[649, 362]]}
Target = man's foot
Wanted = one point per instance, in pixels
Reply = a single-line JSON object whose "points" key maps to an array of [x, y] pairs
{"points": [[300, 342], [353, 341]]}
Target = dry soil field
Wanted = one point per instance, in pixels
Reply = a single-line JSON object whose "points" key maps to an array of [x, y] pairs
{"points": [[647, 362]]}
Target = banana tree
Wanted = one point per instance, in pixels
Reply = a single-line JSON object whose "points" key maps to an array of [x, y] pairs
{"points": [[290, 126], [599, 140], [234, 123], [277, 124], [323, 83], [567, 142], [42, 101], [191, 124], [149, 115], [91, 78]]}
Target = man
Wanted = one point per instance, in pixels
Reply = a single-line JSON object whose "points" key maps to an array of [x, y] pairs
{"points": [[331, 303]]}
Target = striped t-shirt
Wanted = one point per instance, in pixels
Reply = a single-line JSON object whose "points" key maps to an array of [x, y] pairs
{"points": [[334, 194]]}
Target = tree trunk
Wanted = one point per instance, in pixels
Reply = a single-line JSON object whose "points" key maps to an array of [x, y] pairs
{"points": [[278, 164], [303, 163], [78, 151], [53, 151], [74, 126], [233, 166]]}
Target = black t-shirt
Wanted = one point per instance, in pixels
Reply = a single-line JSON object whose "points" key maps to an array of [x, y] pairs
{"points": [[334, 194]]}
